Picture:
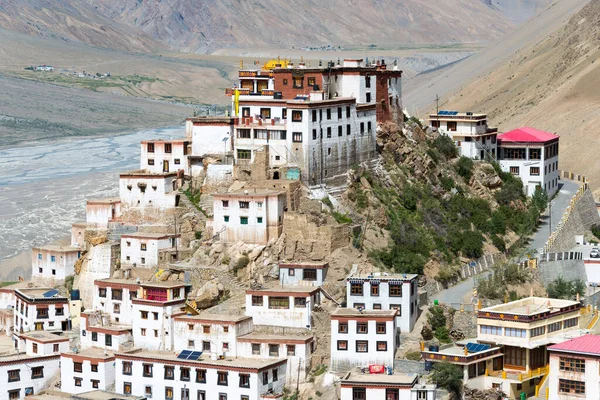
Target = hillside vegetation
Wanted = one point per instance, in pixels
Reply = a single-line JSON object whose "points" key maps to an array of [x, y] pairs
{"points": [[427, 205]]}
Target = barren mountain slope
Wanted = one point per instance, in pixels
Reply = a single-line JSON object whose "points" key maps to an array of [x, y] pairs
{"points": [[554, 85], [71, 20], [419, 93], [518, 11], [200, 26], [187, 25]]}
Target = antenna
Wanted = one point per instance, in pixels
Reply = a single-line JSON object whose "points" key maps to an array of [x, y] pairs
{"points": [[437, 110]]}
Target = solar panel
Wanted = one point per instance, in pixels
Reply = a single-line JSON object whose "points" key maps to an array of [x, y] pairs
{"points": [[184, 354], [442, 112], [452, 112], [477, 347], [194, 355], [51, 293]]}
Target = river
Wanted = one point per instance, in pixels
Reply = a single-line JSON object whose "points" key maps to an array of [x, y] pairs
{"points": [[43, 187]]}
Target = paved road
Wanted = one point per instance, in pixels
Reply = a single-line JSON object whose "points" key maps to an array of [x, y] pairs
{"points": [[463, 291], [558, 205]]}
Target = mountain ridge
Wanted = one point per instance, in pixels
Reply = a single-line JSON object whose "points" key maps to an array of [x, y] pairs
{"points": [[184, 25]]}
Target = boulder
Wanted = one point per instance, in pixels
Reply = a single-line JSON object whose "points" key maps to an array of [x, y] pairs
{"points": [[209, 294]]}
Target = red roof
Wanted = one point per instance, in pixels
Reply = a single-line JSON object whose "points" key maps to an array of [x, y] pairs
{"points": [[588, 344], [527, 134]]}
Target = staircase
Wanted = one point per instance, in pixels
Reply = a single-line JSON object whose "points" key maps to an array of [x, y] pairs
{"points": [[543, 389]]}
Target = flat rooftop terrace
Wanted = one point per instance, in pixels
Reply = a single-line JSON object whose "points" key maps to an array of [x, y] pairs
{"points": [[531, 306]]}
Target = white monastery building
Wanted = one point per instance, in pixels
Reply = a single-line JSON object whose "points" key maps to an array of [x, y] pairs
{"points": [[212, 334], [153, 313], [252, 216], [190, 375], [469, 131], [358, 386], [142, 189], [303, 273], [361, 338], [87, 370], [288, 306], [40, 310], [56, 262], [382, 291], [164, 156], [32, 370], [532, 155], [147, 250], [99, 212], [296, 348]]}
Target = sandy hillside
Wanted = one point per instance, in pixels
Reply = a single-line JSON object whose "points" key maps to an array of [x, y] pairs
{"points": [[419, 93], [553, 85]]}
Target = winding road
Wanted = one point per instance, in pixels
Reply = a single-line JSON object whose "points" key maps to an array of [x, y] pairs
{"points": [[462, 292]]}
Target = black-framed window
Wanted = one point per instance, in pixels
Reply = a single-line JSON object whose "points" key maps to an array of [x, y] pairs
{"points": [[362, 346], [244, 380], [296, 116], [222, 378], [127, 368], [184, 374], [342, 345], [169, 372], [297, 137], [200, 375]]}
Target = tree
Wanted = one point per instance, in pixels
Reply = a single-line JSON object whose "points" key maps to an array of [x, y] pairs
{"points": [[539, 199], [445, 146], [560, 288], [465, 168], [449, 377], [436, 317]]}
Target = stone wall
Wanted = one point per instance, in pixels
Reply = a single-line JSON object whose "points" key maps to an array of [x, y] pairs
{"points": [[409, 366], [312, 237], [582, 216], [570, 270]]}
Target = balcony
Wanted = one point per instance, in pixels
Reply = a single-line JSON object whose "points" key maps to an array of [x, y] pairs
{"points": [[519, 376]]}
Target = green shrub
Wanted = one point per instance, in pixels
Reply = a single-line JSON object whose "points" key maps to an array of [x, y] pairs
{"points": [[319, 394], [320, 370], [413, 356], [442, 334], [498, 242], [198, 235], [341, 218], [416, 121], [225, 260], [436, 317], [327, 201], [465, 168], [241, 263], [434, 155], [445, 146], [472, 245], [449, 377], [447, 183], [596, 231], [563, 289]]}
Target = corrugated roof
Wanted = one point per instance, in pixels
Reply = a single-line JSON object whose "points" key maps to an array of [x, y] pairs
{"points": [[527, 134], [588, 344]]}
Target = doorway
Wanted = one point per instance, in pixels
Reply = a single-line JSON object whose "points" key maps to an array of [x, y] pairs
{"points": [[165, 165]]}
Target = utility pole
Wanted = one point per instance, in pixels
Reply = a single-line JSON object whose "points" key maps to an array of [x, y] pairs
{"points": [[175, 238], [437, 109], [550, 217], [298, 380]]}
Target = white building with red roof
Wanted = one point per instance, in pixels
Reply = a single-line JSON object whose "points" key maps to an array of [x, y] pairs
{"points": [[574, 369], [532, 155]]}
